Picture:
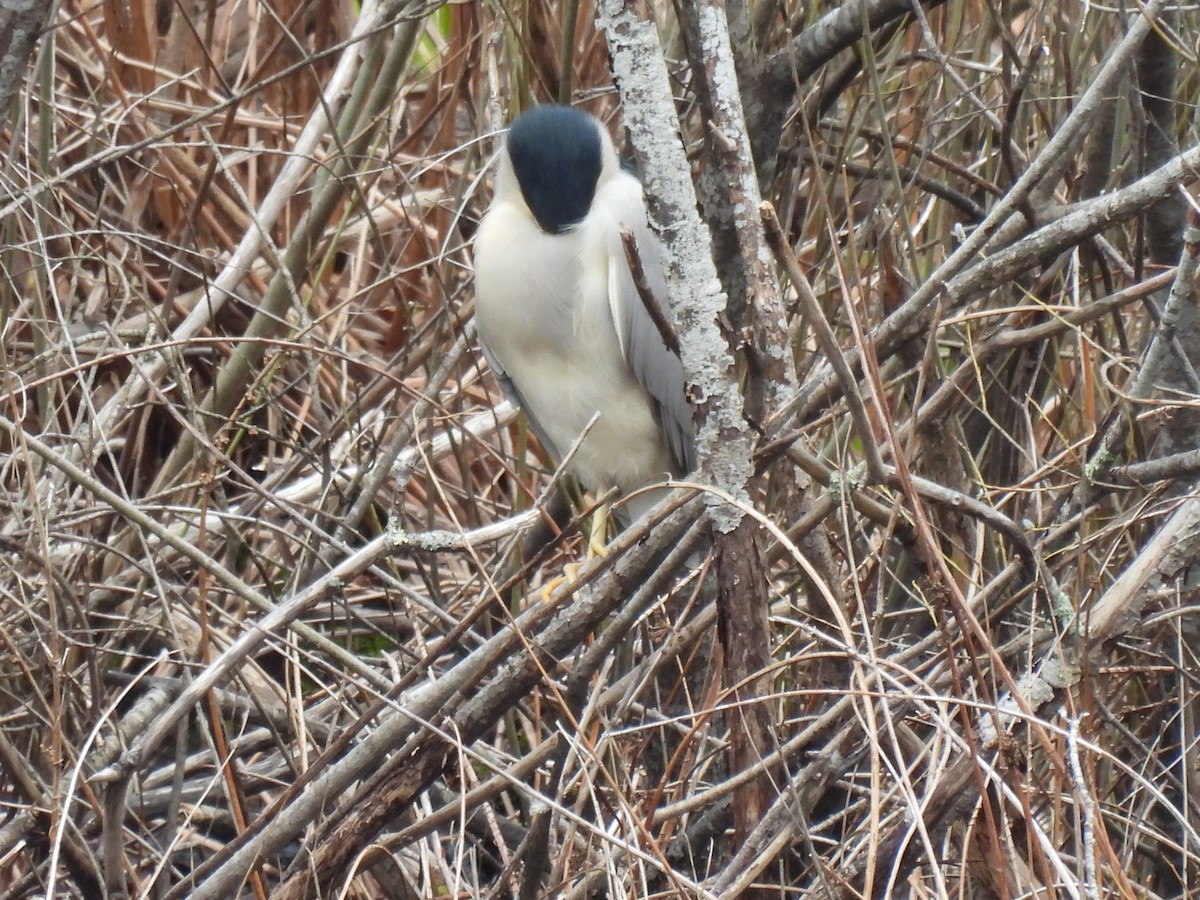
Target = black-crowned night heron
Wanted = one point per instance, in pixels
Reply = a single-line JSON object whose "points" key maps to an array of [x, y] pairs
{"points": [[561, 318]]}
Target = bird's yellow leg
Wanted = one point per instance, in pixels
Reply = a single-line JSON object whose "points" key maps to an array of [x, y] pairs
{"points": [[596, 546], [598, 538]]}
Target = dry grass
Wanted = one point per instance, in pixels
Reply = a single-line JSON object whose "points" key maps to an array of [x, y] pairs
{"points": [[239, 376]]}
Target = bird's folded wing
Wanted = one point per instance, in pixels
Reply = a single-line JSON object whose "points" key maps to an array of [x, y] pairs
{"points": [[656, 365]]}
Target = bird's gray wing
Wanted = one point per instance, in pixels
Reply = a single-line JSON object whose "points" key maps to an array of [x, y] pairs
{"points": [[513, 395], [647, 338]]}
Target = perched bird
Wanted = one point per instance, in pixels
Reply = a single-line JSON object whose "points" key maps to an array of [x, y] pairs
{"points": [[563, 323]]}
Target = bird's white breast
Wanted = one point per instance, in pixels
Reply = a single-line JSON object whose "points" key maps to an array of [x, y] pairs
{"points": [[543, 311]]}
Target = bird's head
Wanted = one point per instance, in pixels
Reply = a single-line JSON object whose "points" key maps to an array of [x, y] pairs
{"points": [[555, 157]]}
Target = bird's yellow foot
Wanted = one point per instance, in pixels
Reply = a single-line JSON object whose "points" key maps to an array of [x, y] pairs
{"points": [[596, 547]]}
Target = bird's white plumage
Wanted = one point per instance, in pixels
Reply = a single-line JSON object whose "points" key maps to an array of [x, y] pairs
{"points": [[553, 314]]}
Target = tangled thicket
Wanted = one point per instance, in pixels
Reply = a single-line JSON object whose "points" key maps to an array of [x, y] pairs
{"points": [[273, 550]]}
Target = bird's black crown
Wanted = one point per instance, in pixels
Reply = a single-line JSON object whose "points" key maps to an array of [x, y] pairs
{"points": [[556, 155]]}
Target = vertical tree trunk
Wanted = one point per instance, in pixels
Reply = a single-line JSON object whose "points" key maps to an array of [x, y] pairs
{"points": [[21, 24]]}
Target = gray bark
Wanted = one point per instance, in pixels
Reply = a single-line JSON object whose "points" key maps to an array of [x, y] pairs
{"points": [[21, 24]]}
